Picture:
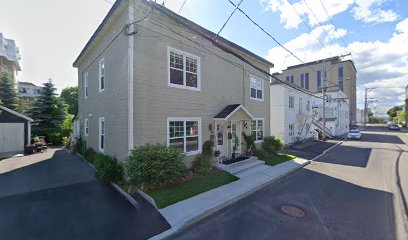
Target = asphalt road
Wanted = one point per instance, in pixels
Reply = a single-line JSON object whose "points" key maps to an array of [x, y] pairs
{"points": [[54, 195], [353, 192]]}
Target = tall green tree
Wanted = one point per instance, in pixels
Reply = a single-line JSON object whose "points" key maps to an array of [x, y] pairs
{"points": [[8, 93], [70, 97], [48, 113], [392, 113]]}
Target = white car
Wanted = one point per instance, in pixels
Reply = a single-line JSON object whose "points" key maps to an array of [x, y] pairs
{"points": [[354, 134]]}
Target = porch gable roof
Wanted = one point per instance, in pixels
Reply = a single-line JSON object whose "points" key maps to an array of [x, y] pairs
{"points": [[230, 110]]}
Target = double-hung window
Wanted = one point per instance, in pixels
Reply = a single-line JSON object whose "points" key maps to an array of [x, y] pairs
{"points": [[184, 70], [340, 73], [300, 106], [85, 77], [102, 75], [257, 129], [184, 134], [307, 81], [101, 134], [302, 80], [291, 102], [319, 80], [86, 127], [256, 88], [292, 79]]}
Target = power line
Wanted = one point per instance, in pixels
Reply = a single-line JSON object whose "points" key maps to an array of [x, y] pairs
{"points": [[335, 29], [182, 6], [314, 15], [232, 13], [308, 27]]}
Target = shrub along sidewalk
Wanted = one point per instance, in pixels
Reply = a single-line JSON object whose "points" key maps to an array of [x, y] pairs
{"points": [[191, 187]]}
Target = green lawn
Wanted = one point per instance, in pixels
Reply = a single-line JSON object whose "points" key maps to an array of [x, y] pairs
{"points": [[273, 160], [191, 187]]}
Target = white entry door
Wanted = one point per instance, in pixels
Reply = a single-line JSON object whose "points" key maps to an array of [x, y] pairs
{"points": [[11, 137], [236, 132]]}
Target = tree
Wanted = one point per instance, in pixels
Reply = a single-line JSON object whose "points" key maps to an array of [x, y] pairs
{"points": [[70, 97], [392, 113], [48, 113], [8, 93]]}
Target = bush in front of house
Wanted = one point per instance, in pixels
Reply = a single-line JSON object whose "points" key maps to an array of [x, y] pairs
{"points": [[89, 155], [154, 166], [202, 164], [80, 147], [108, 169], [261, 154], [272, 144]]}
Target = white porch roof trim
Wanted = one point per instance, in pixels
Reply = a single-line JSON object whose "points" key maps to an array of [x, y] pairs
{"points": [[233, 112]]}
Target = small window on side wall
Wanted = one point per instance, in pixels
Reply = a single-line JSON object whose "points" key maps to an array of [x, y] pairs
{"points": [[102, 75], [102, 134]]}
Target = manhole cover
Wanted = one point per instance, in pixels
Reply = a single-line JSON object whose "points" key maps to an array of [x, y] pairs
{"points": [[293, 211]]}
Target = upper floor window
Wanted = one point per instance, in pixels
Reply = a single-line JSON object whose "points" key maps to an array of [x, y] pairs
{"points": [[302, 80], [86, 84], [291, 102], [300, 106], [319, 79], [341, 78], [307, 81], [256, 86], [184, 70], [102, 75], [292, 79], [308, 106]]}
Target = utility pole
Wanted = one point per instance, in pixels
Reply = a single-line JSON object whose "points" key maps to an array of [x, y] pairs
{"points": [[324, 93], [365, 107]]}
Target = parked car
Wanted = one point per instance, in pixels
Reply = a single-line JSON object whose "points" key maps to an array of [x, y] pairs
{"points": [[354, 134], [393, 126]]}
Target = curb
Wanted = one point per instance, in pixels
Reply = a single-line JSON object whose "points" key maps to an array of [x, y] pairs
{"points": [[326, 151], [208, 212]]}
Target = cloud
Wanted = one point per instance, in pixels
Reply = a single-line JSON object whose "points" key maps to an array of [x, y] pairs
{"points": [[382, 64], [312, 11], [370, 11]]}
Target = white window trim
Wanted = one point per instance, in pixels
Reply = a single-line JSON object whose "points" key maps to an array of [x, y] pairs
{"points": [[185, 54], [263, 88], [86, 84], [86, 127], [263, 129], [104, 135], [170, 119], [100, 75]]}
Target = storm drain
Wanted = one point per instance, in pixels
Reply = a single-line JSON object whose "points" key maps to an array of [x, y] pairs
{"points": [[292, 211]]}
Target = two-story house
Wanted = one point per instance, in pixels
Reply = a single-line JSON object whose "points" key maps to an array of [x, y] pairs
{"points": [[9, 56], [148, 75]]}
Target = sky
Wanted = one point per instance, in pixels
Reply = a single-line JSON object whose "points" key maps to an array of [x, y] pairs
{"points": [[51, 33]]}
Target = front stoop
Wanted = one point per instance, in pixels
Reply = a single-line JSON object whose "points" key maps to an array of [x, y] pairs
{"points": [[241, 167]]}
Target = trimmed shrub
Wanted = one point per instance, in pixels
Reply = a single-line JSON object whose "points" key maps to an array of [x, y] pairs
{"points": [[201, 165], [154, 166], [261, 154], [272, 144], [208, 148], [109, 169]]}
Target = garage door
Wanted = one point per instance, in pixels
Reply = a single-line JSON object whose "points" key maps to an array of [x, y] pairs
{"points": [[11, 137]]}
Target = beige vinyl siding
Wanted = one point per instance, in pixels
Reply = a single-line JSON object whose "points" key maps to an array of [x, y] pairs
{"points": [[221, 84], [112, 102]]}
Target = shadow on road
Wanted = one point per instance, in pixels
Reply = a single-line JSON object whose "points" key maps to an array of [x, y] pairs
{"points": [[381, 138], [350, 156], [335, 209]]}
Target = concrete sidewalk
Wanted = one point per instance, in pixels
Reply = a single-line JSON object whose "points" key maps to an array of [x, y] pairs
{"points": [[193, 209]]}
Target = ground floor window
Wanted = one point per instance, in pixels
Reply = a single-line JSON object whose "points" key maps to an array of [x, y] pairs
{"points": [[184, 134], [101, 134], [257, 129]]}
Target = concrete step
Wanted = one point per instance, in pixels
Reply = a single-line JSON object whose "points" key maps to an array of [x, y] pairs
{"points": [[233, 165], [251, 171], [244, 167]]}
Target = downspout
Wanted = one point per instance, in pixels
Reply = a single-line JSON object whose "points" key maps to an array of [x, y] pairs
{"points": [[130, 79]]}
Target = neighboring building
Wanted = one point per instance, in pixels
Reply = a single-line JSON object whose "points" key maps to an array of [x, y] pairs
{"points": [[406, 105], [9, 56], [341, 75], [291, 113], [360, 116], [179, 89], [337, 112], [15, 132], [29, 91]]}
